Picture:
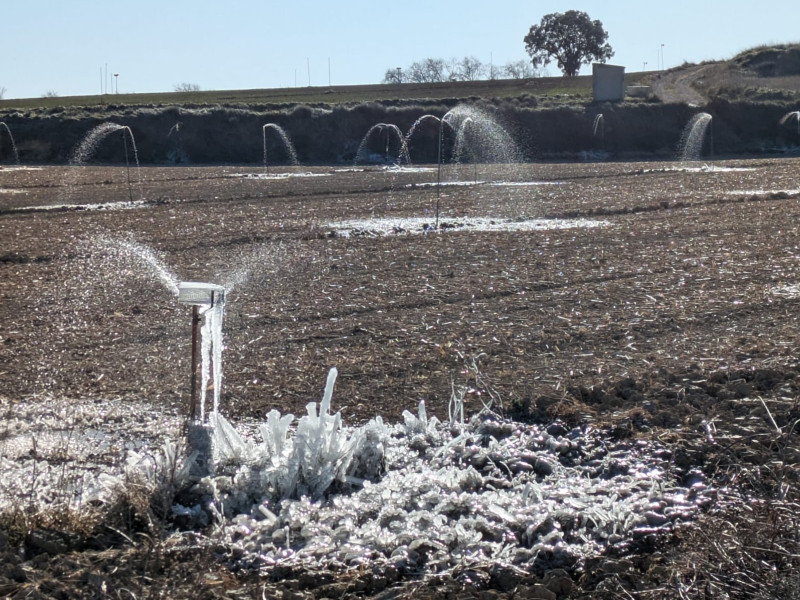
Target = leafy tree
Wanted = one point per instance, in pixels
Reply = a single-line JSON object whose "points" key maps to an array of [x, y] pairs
{"points": [[50, 94], [571, 38]]}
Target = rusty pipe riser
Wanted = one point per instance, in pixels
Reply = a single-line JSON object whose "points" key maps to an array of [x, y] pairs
{"points": [[195, 339]]}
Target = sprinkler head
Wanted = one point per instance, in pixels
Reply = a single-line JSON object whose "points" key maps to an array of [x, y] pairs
{"points": [[200, 294]]}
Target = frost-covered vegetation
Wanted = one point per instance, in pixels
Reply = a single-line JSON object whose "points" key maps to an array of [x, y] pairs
{"points": [[418, 496]]}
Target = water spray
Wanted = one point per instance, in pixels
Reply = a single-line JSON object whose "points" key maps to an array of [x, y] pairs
{"points": [[127, 166], [288, 147], [13, 144]]}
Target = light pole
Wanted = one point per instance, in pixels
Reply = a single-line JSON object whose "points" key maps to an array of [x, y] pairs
{"points": [[116, 83], [662, 57], [644, 66]]}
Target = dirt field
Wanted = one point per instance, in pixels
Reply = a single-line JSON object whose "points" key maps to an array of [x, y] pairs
{"points": [[676, 319]]}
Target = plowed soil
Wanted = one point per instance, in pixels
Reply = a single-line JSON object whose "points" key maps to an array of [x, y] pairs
{"points": [[677, 318]]}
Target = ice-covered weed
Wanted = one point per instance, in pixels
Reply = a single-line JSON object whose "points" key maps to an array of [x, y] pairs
{"points": [[425, 496], [321, 454], [168, 469], [440, 498], [147, 484]]}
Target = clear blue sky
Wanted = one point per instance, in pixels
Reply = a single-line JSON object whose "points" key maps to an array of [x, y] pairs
{"points": [[65, 45]]}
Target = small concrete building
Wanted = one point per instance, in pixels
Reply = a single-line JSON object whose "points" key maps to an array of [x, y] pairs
{"points": [[608, 83]]}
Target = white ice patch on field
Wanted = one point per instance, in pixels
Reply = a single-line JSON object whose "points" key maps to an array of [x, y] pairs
{"points": [[396, 169], [52, 450], [788, 192], [524, 183], [120, 205], [277, 175], [411, 225], [699, 169], [787, 291], [445, 184], [423, 495]]}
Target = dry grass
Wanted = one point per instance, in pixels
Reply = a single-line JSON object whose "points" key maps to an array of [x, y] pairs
{"points": [[565, 89]]}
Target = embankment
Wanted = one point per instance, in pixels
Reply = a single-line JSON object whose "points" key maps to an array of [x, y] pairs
{"points": [[330, 134]]}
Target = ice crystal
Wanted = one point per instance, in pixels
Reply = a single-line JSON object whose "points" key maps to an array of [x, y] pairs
{"points": [[431, 496]]}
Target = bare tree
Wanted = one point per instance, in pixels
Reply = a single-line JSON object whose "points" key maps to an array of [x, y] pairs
{"points": [[435, 70], [187, 87], [50, 94], [471, 69], [520, 69], [395, 76], [452, 70], [430, 70]]}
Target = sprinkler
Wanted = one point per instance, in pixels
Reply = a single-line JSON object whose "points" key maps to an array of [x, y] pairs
{"points": [[207, 299], [201, 297]]}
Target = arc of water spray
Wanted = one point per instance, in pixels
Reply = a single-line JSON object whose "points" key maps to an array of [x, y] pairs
{"points": [[599, 125], [795, 114], [461, 143], [87, 146], [13, 144], [391, 130], [691, 144], [407, 143], [176, 129], [142, 255], [284, 138], [488, 135]]}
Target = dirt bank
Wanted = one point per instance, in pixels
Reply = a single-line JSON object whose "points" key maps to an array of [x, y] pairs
{"points": [[331, 134]]}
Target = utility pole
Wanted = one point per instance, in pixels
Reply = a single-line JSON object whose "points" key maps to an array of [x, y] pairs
{"points": [[308, 66]]}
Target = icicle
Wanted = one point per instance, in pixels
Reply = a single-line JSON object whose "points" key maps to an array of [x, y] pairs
{"points": [[211, 355], [325, 407]]}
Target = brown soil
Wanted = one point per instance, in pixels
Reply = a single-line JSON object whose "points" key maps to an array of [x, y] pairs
{"points": [[663, 323]]}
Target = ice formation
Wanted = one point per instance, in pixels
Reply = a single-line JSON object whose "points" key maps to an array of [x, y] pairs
{"points": [[426, 496], [412, 225], [211, 355]]}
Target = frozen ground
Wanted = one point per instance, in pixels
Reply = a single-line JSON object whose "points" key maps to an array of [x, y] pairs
{"points": [[384, 226], [421, 496]]}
